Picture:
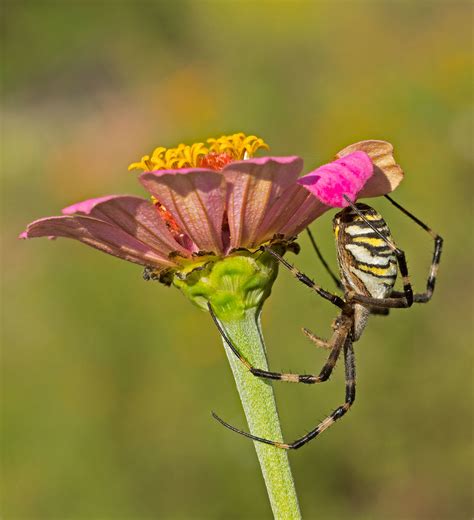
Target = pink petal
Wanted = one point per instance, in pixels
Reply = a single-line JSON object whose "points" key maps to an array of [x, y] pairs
{"points": [[195, 197], [306, 207], [136, 216], [387, 173], [254, 185], [86, 206], [290, 213], [345, 176], [100, 235]]}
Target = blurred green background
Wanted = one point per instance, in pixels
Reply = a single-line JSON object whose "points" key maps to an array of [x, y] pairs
{"points": [[108, 380]]}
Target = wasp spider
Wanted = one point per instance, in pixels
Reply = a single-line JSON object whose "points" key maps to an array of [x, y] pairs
{"points": [[368, 263]]}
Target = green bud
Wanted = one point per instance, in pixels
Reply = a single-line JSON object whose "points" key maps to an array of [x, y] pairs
{"points": [[232, 285]]}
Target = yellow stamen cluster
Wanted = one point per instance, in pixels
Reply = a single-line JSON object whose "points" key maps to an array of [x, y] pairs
{"points": [[236, 146]]}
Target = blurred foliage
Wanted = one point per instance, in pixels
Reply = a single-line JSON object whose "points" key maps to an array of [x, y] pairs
{"points": [[108, 380]]}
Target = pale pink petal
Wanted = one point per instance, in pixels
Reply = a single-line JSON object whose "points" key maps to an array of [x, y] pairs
{"points": [[87, 206], [196, 199], [136, 216], [287, 212], [345, 176], [303, 209], [387, 173], [100, 235], [253, 187]]}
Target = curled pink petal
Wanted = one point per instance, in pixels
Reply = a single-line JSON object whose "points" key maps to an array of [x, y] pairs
{"points": [[253, 187], [100, 235], [345, 176], [196, 199], [387, 173]]}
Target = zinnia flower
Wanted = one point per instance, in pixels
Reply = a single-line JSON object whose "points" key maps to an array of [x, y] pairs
{"points": [[209, 201]]}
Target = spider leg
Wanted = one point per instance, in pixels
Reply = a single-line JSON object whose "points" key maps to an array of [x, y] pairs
{"points": [[340, 321], [398, 301], [319, 342], [324, 374], [333, 298], [323, 261], [382, 311], [438, 246], [330, 419]]}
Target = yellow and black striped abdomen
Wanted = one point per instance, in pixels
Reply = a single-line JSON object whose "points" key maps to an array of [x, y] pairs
{"points": [[366, 262]]}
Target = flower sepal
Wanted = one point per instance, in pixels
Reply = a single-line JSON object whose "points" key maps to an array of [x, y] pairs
{"points": [[233, 284]]}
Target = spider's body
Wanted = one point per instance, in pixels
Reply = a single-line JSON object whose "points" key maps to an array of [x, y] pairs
{"points": [[369, 262]]}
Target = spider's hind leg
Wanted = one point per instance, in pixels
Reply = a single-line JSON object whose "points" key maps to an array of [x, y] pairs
{"points": [[333, 298], [326, 423]]}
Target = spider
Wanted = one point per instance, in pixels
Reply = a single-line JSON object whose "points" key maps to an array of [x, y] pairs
{"points": [[368, 260]]}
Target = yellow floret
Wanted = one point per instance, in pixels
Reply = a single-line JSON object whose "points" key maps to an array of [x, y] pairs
{"points": [[238, 146]]}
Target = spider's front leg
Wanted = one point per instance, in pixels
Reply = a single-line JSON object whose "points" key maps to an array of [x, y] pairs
{"points": [[438, 247], [300, 276]]}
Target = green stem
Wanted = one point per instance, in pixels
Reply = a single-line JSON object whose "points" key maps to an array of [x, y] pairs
{"points": [[260, 409]]}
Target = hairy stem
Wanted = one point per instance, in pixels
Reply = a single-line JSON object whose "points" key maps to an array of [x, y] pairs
{"points": [[260, 409]]}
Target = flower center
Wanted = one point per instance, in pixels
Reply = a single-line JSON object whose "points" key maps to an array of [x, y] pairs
{"points": [[215, 161], [169, 220], [214, 155]]}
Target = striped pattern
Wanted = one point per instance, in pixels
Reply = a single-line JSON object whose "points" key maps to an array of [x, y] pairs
{"points": [[367, 262]]}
